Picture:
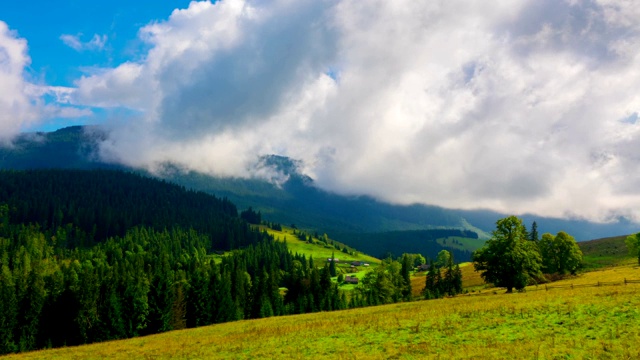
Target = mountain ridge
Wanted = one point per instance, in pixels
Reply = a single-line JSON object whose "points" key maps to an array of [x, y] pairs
{"points": [[292, 198]]}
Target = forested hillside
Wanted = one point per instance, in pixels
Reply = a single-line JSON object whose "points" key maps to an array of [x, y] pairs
{"points": [[426, 242], [87, 207], [90, 256]]}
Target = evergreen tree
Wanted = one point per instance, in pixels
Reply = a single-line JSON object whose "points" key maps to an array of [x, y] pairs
{"points": [[448, 279], [227, 309], [199, 297], [407, 265], [8, 311], [430, 290], [457, 280], [332, 265], [533, 235], [29, 316]]}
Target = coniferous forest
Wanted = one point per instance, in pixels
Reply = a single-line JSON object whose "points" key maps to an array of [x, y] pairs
{"points": [[90, 256]]}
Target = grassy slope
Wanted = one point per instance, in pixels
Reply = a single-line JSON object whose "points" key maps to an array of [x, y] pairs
{"points": [[609, 251], [319, 252], [461, 243], [599, 322]]}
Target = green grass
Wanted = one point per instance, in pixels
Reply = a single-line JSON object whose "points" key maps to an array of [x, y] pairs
{"points": [[605, 252], [318, 250], [461, 243], [581, 323]]}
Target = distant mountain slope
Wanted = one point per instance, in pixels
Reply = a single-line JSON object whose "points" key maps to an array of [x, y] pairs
{"points": [[104, 203], [295, 199], [68, 148], [426, 242]]}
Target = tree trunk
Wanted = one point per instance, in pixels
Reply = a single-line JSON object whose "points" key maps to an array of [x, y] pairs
{"points": [[509, 289]]}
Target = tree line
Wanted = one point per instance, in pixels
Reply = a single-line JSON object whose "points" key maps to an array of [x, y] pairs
{"points": [[515, 258], [92, 206], [424, 242], [444, 277]]}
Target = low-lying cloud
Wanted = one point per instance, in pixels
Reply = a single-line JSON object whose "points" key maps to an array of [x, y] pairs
{"points": [[526, 106]]}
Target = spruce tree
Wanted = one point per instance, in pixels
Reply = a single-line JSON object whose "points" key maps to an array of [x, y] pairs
{"points": [[533, 235], [457, 280], [227, 309], [431, 283], [332, 265], [406, 277], [8, 311], [31, 310]]}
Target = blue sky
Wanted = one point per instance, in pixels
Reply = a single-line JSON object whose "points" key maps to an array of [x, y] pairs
{"points": [[43, 23], [524, 106]]}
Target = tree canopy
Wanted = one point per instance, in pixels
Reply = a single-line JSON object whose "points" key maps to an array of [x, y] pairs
{"points": [[633, 245], [560, 254], [508, 259]]}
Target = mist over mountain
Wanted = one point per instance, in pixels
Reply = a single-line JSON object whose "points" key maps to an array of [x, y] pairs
{"points": [[285, 195]]}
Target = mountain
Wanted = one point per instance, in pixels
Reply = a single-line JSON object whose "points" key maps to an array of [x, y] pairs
{"points": [[293, 197], [68, 148]]}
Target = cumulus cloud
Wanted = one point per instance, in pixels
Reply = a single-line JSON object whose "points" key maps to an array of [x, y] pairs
{"points": [[97, 42], [24, 104], [16, 104], [526, 106]]}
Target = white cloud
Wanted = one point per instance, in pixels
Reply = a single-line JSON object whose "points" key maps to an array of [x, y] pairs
{"points": [[24, 104], [513, 106], [16, 105], [97, 42]]}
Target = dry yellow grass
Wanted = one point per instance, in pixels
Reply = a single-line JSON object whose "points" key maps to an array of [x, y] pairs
{"points": [[581, 323]]}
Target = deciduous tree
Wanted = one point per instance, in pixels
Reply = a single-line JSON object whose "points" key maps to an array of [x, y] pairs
{"points": [[508, 259], [560, 253], [633, 245]]}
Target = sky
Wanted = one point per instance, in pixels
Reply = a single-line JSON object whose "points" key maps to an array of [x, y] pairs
{"points": [[515, 106]]}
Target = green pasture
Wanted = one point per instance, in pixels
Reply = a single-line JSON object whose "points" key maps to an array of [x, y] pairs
{"points": [[318, 250]]}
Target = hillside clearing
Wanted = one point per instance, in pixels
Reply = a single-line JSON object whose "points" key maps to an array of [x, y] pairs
{"points": [[319, 251]]}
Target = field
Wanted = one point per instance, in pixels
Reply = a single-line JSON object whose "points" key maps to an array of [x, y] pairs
{"points": [[594, 322]]}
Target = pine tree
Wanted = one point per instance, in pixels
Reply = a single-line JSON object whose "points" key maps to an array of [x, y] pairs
{"points": [[430, 288], [332, 265], [457, 280], [406, 277], [8, 311], [227, 309], [448, 280], [179, 307], [199, 298], [31, 311], [533, 235]]}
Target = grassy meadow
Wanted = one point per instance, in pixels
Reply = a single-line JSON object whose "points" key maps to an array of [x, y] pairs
{"points": [[319, 251], [605, 252], [581, 323]]}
